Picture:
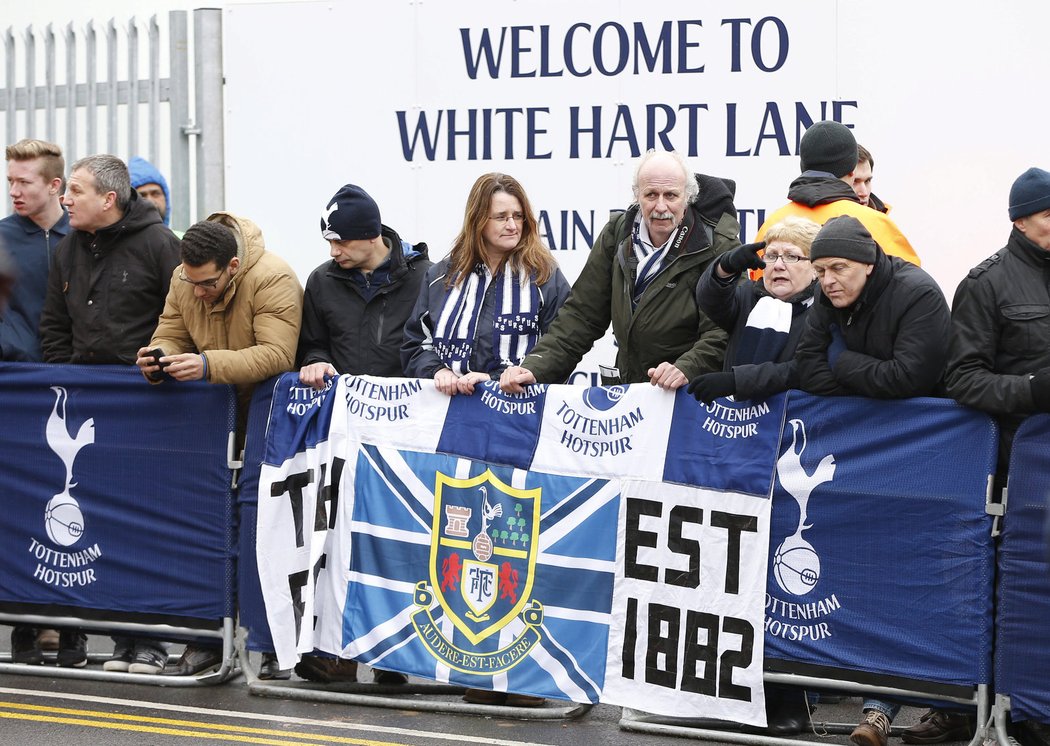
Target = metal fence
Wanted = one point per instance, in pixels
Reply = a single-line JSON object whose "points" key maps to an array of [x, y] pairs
{"points": [[107, 88]]}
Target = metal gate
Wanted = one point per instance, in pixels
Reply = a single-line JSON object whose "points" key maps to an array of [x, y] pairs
{"points": [[107, 88]]}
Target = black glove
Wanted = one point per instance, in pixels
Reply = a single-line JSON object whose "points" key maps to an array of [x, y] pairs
{"points": [[1040, 383], [736, 260], [707, 387]]}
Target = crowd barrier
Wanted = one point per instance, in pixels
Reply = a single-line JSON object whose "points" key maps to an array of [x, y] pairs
{"points": [[120, 517], [1022, 621], [881, 558], [118, 510]]}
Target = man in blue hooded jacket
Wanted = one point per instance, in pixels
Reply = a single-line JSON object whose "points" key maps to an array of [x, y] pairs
{"points": [[152, 187]]}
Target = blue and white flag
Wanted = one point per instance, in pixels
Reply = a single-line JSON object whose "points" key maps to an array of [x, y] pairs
{"points": [[507, 542]]}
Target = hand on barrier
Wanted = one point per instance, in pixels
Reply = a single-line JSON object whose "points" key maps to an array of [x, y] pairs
{"points": [[315, 374], [465, 384], [743, 257], [707, 387], [667, 376], [446, 382], [837, 345], [515, 378]]}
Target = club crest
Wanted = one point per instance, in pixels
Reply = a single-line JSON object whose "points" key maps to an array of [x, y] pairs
{"points": [[482, 563]]}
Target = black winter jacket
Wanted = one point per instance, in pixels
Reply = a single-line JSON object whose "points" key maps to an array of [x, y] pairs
{"points": [[356, 335], [105, 290], [896, 336], [729, 305], [1001, 334]]}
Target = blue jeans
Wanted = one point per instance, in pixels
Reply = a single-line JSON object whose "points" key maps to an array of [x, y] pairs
{"points": [[889, 709]]}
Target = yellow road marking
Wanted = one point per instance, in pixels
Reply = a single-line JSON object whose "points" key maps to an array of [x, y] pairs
{"points": [[144, 724]]}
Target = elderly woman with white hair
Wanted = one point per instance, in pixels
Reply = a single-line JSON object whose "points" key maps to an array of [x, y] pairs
{"points": [[764, 317]]}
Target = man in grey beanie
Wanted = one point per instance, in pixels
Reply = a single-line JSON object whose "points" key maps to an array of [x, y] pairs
{"points": [[879, 326]]}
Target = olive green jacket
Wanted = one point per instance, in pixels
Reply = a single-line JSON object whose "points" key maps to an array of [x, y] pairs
{"points": [[666, 325]]}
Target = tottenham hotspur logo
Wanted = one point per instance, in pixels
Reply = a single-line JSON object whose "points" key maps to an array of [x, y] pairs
{"points": [[62, 518], [796, 566]]}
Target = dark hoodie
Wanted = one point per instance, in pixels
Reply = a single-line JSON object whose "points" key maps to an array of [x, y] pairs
{"points": [[812, 189], [106, 290]]}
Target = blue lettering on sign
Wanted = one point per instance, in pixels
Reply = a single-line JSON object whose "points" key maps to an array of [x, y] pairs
{"points": [[606, 50]]}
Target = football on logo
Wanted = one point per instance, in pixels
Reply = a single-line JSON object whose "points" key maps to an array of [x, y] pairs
{"points": [[603, 398], [796, 566], [63, 520]]}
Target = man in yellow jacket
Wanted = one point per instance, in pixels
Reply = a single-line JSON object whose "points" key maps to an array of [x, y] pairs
{"points": [[824, 190], [232, 316]]}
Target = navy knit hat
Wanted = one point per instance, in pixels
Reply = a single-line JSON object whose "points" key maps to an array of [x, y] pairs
{"points": [[351, 215], [1030, 193], [844, 237], [828, 146]]}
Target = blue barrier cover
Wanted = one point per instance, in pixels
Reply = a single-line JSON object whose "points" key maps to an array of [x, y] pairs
{"points": [[117, 499], [880, 551], [1022, 657], [251, 611]]}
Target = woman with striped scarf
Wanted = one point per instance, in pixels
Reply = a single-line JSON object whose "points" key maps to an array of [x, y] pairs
{"points": [[484, 306]]}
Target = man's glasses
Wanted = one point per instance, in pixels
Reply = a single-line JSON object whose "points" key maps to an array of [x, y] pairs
{"points": [[788, 258], [205, 284]]}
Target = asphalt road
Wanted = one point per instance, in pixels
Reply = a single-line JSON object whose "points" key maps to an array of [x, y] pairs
{"points": [[45, 710]]}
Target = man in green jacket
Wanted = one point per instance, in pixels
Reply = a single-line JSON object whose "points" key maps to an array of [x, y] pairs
{"points": [[641, 276]]}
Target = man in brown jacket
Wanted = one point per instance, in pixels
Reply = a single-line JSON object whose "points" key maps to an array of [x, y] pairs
{"points": [[232, 316]]}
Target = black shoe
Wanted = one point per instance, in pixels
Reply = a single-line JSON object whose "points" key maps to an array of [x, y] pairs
{"points": [[270, 669], [390, 678], [790, 714], [194, 660], [24, 647], [72, 648], [937, 726], [788, 722]]}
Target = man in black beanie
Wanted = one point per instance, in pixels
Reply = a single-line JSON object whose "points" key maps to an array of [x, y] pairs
{"points": [[354, 315], [828, 153], [879, 326], [357, 303]]}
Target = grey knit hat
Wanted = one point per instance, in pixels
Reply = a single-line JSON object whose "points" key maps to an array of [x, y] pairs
{"points": [[828, 146], [844, 237]]}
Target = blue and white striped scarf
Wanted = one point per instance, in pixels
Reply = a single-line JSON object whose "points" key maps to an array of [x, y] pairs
{"points": [[515, 323], [650, 258]]}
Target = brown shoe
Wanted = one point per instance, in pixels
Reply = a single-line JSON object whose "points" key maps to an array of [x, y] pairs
{"points": [[485, 697], [937, 726], [326, 670], [525, 700], [873, 730], [47, 639]]}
